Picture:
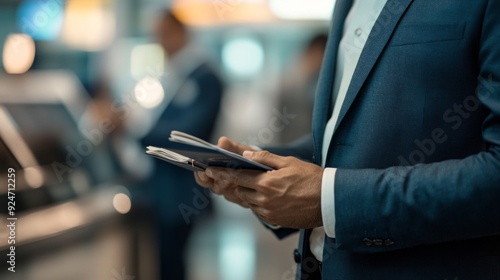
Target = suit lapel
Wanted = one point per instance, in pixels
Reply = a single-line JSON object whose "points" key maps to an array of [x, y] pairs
{"points": [[377, 40], [322, 104]]}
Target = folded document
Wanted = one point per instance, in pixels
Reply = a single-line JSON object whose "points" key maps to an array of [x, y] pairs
{"points": [[192, 153]]}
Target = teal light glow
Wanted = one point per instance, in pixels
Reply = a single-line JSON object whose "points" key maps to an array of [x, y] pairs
{"points": [[41, 19], [243, 57]]}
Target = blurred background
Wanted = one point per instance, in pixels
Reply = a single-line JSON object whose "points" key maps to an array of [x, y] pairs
{"points": [[86, 85]]}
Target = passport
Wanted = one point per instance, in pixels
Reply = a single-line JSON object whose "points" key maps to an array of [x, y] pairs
{"points": [[190, 152]]}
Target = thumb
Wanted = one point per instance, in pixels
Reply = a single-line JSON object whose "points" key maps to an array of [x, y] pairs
{"points": [[232, 146], [266, 158]]}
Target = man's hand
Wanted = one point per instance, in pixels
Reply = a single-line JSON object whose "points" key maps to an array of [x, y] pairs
{"points": [[288, 196], [225, 187]]}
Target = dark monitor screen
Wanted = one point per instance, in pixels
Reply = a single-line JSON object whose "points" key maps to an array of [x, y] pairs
{"points": [[7, 159], [48, 130], [53, 136]]}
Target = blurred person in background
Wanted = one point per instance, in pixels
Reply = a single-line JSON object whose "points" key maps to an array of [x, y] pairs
{"points": [[193, 92], [114, 140], [298, 89]]}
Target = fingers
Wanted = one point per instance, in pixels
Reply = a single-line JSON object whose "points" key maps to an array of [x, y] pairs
{"points": [[233, 197], [236, 177], [217, 181], [221, 188], [203, 180], [232, 146], [251, 197], [238, 186], [202, 176], [255, 201], [266, 158]]}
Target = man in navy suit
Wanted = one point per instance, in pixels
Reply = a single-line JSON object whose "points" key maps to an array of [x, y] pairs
{"points": [[405, 149], [193, 93]]}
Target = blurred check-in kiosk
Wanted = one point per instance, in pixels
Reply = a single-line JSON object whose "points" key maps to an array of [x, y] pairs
{"points": [[73, 215]]}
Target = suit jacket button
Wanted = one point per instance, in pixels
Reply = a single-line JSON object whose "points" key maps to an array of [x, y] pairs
{"points": [[296, 256], [368, 242], [388, 242]]}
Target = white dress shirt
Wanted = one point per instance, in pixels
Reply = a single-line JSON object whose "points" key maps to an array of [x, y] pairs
{"points": [[357, 27]]}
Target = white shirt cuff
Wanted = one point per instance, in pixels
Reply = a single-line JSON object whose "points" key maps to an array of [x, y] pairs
{"points": [[328, 201]]}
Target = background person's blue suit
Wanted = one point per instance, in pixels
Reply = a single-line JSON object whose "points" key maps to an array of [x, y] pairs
{"points": [[193, 92], [417, 145], [171, 186], [174, 185]]}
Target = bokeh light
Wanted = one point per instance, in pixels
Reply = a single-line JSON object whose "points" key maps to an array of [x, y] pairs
{"points": [[149, 92], [18, 53], [41, 19], [122, 203], [146, 60], [302, 10], [243, 57], [34, 177], [89, 25]]}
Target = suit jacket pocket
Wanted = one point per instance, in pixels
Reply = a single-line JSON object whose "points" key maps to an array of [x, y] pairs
{"points": [[410, 34]]}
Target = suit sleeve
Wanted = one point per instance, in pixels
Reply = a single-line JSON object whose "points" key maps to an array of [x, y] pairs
{"points": [[436, 202]]}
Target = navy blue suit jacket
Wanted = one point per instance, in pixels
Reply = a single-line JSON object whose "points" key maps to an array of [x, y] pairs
{"points": [[417, 146]]}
